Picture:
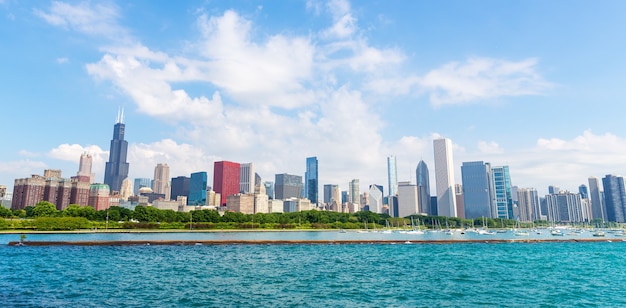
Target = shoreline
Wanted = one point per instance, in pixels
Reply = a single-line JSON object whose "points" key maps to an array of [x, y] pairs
{"points": [[298, 242]]}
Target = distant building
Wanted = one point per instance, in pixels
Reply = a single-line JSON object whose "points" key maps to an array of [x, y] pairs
{"points": [[614, 197], [84, 173], [529, 206], [287, 186], [243, 203], [180, 187], [52, 188], [565, 207], [197, 189], [116, 169], [246, 178], [460, 203], [392, 175], [226, 176], [355, 191], [275, 206], [478, 190], [269, 189], [139, 183], [598, 210], [161, 182], [407, 199], [311, 190], [99, 195], [502, 188], [376, 199], [444, 177], [127, 189], [423, 187]]}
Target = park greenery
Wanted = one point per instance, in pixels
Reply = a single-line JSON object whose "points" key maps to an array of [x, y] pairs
{"points": [[44, 216]]}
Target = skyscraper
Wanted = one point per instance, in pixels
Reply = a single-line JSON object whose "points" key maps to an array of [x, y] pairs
{"points": [[376, 199], [423, 187], [226, 176], [407, 199], [528, 204], [116, 169], [478, 190], [328, 193], [180, 187], [246, 178], [161, 182], [287, 186], [84, 168], [311, 190], [444, 177], [355, 191], [614, 197], [197, 189], [598, 210], [392, 175], [139, 183], [502, 189]]}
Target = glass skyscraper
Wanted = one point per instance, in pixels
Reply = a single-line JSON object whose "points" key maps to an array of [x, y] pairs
{"points": [[197, 189], [180, 187], [392, 175], [116, 169], [287, 186], [478, 190], [311, 190], [423, 186], [614, 197], [502, 188]]}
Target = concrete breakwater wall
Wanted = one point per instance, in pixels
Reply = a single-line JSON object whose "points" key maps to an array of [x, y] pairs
{"points": [[288, 242]]}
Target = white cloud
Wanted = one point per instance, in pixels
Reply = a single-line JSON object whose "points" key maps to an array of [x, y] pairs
{"points": [[482, 78], [99, 19], [489, 147], [62, 60], [21, 168]]}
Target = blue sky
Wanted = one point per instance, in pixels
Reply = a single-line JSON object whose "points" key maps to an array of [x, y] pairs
{"points": [[536, 85]]}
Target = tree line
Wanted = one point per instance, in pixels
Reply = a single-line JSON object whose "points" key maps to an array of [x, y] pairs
{"points": [[45, 216]]}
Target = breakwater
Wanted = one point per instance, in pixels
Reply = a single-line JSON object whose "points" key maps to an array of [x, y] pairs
{"points": [[292, 242]]}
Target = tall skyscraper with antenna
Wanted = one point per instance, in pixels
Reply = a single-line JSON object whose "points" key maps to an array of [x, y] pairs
{"points": [[116, 169]]}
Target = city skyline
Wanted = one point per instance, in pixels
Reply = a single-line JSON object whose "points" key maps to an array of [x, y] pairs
{"points": [[349, 83]]}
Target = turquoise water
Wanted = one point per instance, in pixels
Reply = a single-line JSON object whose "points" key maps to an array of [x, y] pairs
{"points": [[362, 275]]}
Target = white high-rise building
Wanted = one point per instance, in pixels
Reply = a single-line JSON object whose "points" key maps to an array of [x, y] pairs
{"points": [[408, 199], [161, 182], [444, 177], [246, 178], [375, 199]]}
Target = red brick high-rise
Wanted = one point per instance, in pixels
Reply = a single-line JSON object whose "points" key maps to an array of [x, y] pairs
{"points": [[226, 177]]}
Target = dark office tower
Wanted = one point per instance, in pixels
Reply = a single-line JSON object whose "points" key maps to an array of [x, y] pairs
{"points": [[582, 190], [598, 210], [287, 186], [226, 176], [423, 186], [478, 190], [614, 197], [180, 187], [311, 191], [117, 168], [197, 189]]}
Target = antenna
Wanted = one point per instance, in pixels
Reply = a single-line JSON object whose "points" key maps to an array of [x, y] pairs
{"points": [[117, 120], [122, 116]]}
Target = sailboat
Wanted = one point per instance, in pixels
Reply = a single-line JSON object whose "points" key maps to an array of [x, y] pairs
{"points": [[415, 230], [519, 232], [483, 230]]}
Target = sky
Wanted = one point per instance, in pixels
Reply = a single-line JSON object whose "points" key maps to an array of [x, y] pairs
{"points": [[534, 85]]}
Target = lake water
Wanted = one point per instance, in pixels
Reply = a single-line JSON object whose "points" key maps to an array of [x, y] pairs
{"points": [[364, 275]]}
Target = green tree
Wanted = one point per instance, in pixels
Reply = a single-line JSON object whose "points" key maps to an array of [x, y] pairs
{"points": [[44, 209], [5, 212]]}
